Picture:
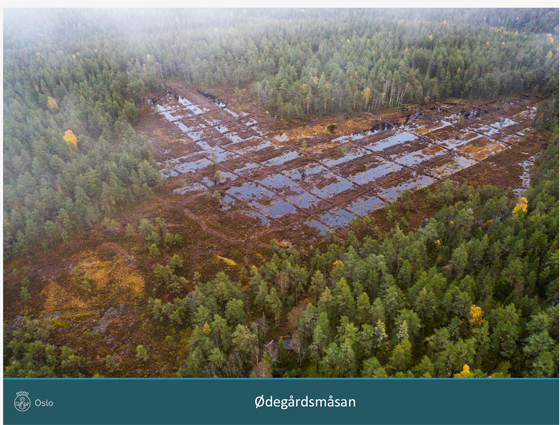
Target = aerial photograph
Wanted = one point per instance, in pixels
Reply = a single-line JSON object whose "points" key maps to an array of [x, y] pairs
{"points": [[280, 193]]}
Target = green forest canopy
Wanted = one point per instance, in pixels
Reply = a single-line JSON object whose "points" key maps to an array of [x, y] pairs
{"points": [[478, 286]]}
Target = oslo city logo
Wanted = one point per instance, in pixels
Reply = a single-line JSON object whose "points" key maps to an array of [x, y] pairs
{"points": [[22, 402]]}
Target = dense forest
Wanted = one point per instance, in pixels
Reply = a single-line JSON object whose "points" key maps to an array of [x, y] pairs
{"points": [[472, 294], [75, 81]]}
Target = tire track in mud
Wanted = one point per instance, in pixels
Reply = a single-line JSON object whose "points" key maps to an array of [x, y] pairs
{"points": [[200, 221]]}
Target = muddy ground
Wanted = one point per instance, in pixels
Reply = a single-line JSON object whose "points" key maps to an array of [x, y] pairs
{"points": [[273, 180]]}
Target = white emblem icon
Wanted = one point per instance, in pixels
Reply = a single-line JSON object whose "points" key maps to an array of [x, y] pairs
{"points": [[22, 402]]}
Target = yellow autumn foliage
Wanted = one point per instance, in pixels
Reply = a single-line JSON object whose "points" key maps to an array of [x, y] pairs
{"points": [[282, 244], [206, 329], [475, 316], [521, 205], [466, 370], [51, 103], [338, 262], [228, 261], [70, 139]]}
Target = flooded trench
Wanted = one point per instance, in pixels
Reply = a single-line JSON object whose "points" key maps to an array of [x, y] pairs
{"points": [[266, 175]]}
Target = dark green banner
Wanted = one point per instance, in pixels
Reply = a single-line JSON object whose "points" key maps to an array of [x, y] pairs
{"points": [[277, 401]]}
